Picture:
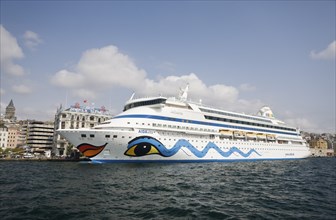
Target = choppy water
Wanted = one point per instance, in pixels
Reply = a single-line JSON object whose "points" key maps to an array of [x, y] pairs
{"points": [[298, 189]]}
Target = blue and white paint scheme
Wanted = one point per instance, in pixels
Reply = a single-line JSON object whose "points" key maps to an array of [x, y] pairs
{"points": [[160, 129]]}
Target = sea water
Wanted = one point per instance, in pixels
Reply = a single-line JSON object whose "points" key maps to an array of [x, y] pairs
{"points": [[288, 189]]}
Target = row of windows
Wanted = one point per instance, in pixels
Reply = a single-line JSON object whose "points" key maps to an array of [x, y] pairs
{"points": [[143, 103], [234, 115], [219, 125], [183, 127], [247, 123], [9, 133], [9, 140], [72, 126], [81, 118]]}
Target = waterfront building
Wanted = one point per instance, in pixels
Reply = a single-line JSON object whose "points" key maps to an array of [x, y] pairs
{"points": [[75, 117], [22, 134], [3, 136], [319, 147], [39, 135], [13, 135]]}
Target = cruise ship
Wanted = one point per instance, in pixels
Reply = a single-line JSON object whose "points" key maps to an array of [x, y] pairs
{"points": [[161, 129]]}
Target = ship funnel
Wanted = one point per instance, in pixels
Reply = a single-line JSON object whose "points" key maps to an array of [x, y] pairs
{"points": [[266, 112]]}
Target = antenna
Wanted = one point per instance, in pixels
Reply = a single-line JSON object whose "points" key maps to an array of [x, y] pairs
{"points": [[184, 93], [132, 96]]}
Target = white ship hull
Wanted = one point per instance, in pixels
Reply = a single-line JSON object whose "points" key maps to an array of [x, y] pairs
{"points": [[178, 149], [169, 130]]}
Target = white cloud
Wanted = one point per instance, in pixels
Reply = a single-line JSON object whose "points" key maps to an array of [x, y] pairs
{"points": [[247, 106], [21, 89], [32, 39], [299, 122], [326, 54], [10, 51], [67, 79], [99, 70], [302, 123], [170, 85]]}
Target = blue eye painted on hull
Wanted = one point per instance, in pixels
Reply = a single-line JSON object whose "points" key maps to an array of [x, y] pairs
{"points": [[142, 146]]}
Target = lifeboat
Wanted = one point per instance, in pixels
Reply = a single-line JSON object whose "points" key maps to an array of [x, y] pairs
{"points": [[251, 135], [239, 134], [270, 137], [226, 133], [261, 136]]}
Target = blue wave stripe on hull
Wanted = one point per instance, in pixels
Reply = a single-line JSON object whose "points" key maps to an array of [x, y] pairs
{"points": [[201, 153], [186, 144]]}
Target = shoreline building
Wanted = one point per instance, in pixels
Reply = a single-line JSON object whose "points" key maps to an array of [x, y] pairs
{"points": [[319, 147], [75, 117], [10, 128], [13, 136], [3, 136], [39, 135]]}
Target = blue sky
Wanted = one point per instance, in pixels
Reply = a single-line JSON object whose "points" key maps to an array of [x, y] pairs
{"points": [[235, 55]]}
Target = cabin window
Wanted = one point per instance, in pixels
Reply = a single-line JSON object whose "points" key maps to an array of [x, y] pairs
{"points": [[83, 135], [92, 135], [115, 136], [107, 136]]}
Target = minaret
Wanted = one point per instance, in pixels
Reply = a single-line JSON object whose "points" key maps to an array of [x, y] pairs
{"points": [[10, 111]]}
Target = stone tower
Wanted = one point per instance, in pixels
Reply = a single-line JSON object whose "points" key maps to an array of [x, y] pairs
{"points": [[10, 111]]}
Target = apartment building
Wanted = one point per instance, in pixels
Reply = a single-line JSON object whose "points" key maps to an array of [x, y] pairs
{"points": [[39, 135]]}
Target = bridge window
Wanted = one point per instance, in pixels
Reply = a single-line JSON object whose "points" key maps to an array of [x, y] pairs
{"points": [[144, 103]]}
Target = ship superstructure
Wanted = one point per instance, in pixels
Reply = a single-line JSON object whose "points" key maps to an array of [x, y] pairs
{"points": [[173, 129]]}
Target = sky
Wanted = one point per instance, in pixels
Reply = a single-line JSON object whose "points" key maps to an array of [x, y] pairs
{"points": [[235, 55]]}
